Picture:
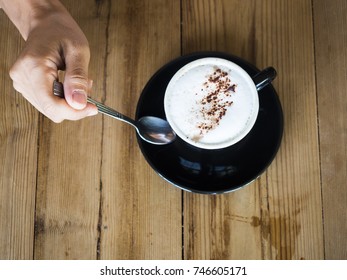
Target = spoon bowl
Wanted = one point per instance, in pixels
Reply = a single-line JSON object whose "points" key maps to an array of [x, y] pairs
{"points": [[153, 130]]}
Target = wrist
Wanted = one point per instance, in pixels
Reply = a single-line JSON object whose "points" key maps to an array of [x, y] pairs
{"points": [[26, 15]]}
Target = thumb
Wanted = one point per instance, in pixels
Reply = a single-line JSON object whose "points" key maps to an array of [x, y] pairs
{"points": [[76, 81]]}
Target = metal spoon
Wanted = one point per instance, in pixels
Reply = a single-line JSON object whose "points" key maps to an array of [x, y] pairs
{"points": [[151, 129]]}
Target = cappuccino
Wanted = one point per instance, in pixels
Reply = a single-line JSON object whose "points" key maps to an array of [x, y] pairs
{"points": [[211, 103]]}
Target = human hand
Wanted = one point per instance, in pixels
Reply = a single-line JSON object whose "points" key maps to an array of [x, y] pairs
{"points": [[54, 42]]}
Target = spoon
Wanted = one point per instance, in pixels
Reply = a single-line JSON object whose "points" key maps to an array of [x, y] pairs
{"points": [[151, 129]]}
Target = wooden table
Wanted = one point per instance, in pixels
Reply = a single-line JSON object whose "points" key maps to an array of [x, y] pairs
{"points": [[83, 190]]}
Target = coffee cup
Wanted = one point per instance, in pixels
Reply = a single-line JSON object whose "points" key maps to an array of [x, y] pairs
{"points": [[212, 103]]}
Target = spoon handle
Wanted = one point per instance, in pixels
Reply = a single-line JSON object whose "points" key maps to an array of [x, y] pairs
{"points": [[110, 112], [58, 90]]}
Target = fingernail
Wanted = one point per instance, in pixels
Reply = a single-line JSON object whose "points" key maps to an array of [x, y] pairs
{"points": [[79, 98]]}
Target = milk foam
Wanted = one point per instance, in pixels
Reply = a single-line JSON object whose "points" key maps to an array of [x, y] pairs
{"points": [[211, 103]]}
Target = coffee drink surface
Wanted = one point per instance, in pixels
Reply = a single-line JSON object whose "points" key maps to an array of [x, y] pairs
{"points": [[211, 103]]}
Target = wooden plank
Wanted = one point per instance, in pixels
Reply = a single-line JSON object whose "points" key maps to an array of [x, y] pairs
{"points": [[68, 195], [18, 153], [141, 213], [214, 227], [331, 59], [294, 186], [278, 216]]}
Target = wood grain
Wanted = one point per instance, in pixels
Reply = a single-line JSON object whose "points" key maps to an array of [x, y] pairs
{"points": [[331, 59], [278, 216], [141, 213], [18, 153]]}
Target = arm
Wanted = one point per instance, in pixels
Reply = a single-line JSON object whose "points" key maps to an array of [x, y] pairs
{"points": [[54, 42]]}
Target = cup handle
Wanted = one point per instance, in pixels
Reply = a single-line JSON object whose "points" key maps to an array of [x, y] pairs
{"points": [[264, 77]]}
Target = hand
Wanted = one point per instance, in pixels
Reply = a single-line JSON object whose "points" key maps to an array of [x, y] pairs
{"points": [[55, 42]]}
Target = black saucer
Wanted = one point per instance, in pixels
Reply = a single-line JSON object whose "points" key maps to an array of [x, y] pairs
{"points": [[212, 171]]}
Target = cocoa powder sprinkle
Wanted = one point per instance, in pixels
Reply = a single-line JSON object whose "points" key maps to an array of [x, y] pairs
{"points": [[213, 104]]}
